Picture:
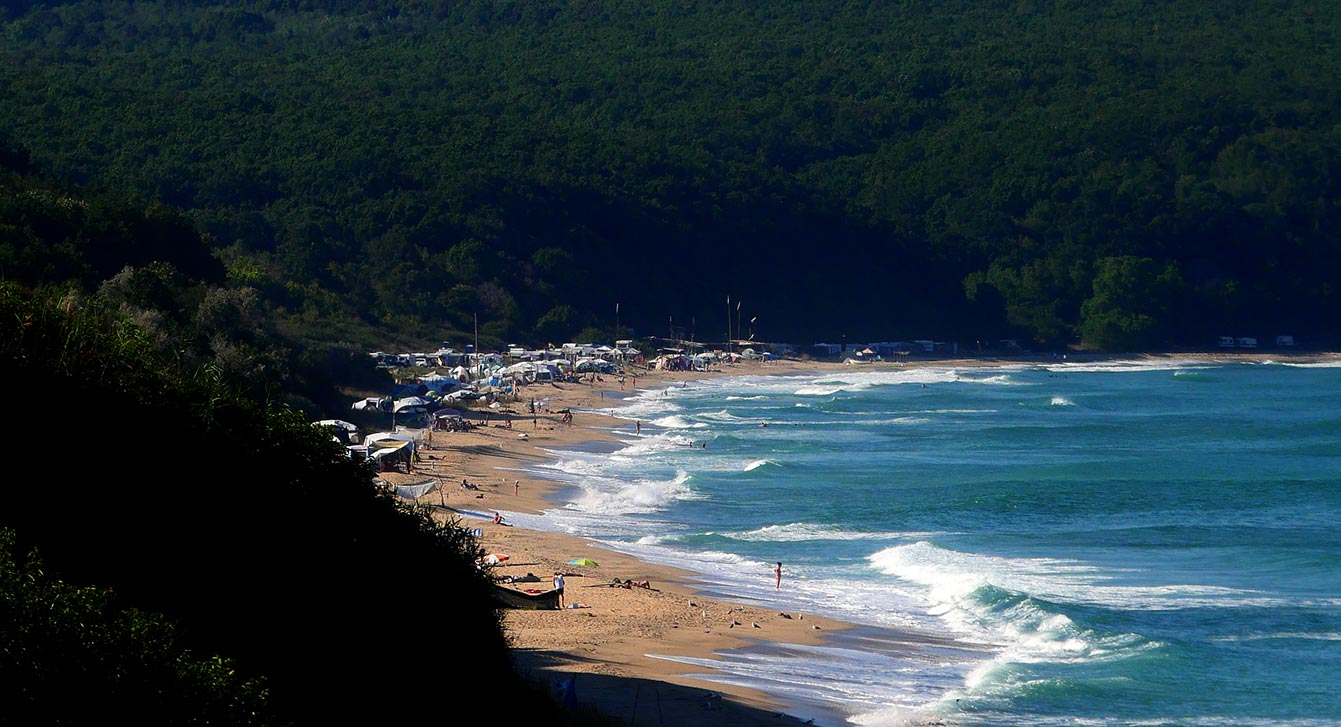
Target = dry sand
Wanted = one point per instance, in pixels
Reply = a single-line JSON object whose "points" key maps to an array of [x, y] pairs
{"points": [[605, 643]]}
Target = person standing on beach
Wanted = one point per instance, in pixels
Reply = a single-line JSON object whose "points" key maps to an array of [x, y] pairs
{"points": [[777, 572], [558, 586], [516, 487]]}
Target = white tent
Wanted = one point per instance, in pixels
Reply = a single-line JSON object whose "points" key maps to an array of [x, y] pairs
{"points": [[411, 405], [348, 432], [439, 383], [587, 364], [339, 423]]}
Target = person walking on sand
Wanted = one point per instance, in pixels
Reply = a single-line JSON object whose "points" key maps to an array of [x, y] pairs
{"points": [[558, 586], [777, 573], [516, 487]]}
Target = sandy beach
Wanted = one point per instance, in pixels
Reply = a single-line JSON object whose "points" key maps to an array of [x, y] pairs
{"points": [[608, 641], [605, 641]]}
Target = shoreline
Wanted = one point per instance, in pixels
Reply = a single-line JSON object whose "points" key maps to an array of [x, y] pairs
{"points": [[608, 645]]}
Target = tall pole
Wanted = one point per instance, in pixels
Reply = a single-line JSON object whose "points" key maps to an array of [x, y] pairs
{"points": [[738, 316], [728, 323], [616, 321]]}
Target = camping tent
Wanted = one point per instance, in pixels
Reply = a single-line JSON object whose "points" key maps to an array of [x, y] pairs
{"points": [[438, 383], [411, 405], [409, 390], [371, 403], [348, 433]]}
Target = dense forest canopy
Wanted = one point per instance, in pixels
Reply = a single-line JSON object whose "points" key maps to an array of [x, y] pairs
{"points": [[173, 553], [1126, 174]]}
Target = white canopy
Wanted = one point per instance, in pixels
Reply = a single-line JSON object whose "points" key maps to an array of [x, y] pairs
{"points": [[412, 492], [348, 427], [411, 404]]}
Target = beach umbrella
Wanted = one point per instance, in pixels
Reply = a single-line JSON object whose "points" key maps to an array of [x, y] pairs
{"points": [[493, 559], [582, 561]]}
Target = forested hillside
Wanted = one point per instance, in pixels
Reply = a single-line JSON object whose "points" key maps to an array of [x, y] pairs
{"points": [[1124, 173], [205, 559]]}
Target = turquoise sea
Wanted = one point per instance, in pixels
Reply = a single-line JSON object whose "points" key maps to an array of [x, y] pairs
{"points": [[1095, 544]]}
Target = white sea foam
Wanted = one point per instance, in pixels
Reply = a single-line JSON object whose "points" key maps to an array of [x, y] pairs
{"points": [[952, 578], [756, 464], [597, 492], [1333, 364], [799, 532], [675, 421], [821, 390], [1128, 365], [603, 496], [651, 444], [1299, 635], [994, 380], [725, 417], [900, 421], [1061, 401]]}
